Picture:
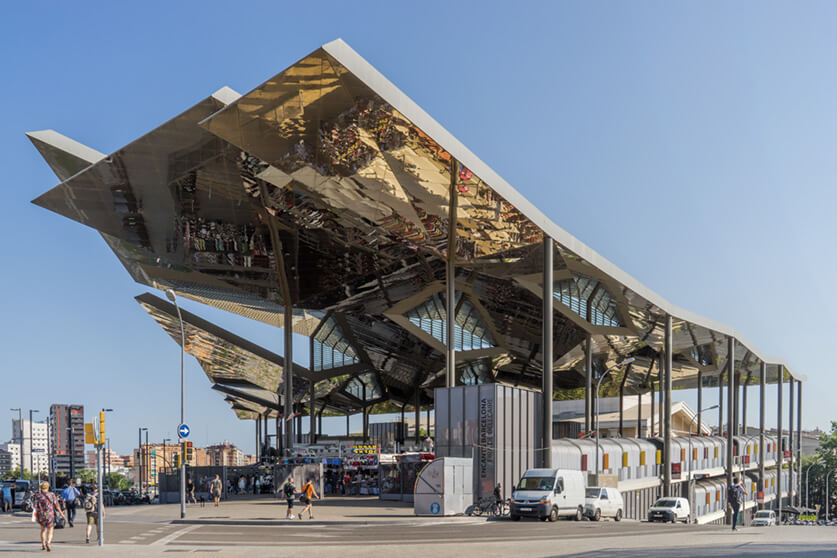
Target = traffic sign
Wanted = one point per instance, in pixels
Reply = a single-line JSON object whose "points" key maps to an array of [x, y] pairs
{"points": [[183, 431]]}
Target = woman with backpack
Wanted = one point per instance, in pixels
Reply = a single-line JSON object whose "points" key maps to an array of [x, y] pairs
{"points": [[91, 509], [45, 506]]}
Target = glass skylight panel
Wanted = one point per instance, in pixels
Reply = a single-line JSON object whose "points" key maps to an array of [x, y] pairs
{"points": [[575, 293], [331, 349], [469, 332]]}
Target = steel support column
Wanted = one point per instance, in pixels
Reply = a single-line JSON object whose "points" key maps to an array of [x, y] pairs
{"points": [[699, 402], [799, 439], [265, 437], [639, 425], [418, 416], [450, 279], [730, 409], [762, 390], [780, 456], [546, 351], [277, 441], [791, 482], [427, 420], [258, 437], [736, 402], [744, 388], [588, 385], [312, 437], [653, 417], [288, 376], [721, 403], [661, 407], [667, 410]]}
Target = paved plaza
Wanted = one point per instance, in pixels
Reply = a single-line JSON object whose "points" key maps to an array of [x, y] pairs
{"points": [[366, 526]]}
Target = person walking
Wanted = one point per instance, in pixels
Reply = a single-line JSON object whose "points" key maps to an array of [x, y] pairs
{"points": [[215, 488], [289, 490], [190, 490], [735, 497], [45, 506], [307, 494], [70, 495], [91, 510]]}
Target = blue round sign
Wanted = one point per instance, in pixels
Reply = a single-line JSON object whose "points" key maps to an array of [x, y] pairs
{"points": [[183, 431], [435, 507]]}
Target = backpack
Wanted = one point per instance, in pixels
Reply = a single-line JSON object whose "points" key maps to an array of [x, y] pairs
{"points": [[735, 495], [89, 503], [289, 490]]}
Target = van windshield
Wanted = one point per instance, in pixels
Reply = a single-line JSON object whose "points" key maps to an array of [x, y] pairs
{"points": [[763, 514], [536, 483], [592, 492], [665, 503]]}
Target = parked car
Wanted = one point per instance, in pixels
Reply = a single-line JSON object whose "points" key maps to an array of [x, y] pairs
{"points": [[764, 518], [548, 494], [602, 502], [669, 510]]}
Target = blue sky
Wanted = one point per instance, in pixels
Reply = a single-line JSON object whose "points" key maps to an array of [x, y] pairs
{"points": [[691, 143]]}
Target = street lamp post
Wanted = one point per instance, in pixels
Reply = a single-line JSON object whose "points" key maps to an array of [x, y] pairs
{"points": [[694, 418], [141, 464], [598, 385], [31, 447], [172, 297], [105, 467]]}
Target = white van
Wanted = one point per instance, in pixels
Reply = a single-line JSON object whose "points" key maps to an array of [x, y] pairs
{"points": [[549, 494], [669, 509], [603, 502]]}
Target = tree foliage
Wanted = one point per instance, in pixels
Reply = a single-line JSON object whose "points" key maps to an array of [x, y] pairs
{"points": [[819, 466], [15, 474]]}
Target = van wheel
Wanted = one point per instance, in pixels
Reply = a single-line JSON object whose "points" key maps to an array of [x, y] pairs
{"points": [[598, 515], [514, 517], [553, 515], [579, 513], [618, 515]]}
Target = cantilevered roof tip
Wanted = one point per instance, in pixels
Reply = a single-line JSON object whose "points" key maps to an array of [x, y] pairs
{"points": [[328, 188]]}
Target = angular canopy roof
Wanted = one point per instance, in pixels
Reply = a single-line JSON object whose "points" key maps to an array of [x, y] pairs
{"points": [[245, 371], [327, 187]]}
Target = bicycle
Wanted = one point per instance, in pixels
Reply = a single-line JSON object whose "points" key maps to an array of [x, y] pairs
{"points": [[490, 507]]}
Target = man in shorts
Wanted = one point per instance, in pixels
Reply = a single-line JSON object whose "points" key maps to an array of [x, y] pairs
{"points": [[306, 495], [215, 488], [289, 490]]}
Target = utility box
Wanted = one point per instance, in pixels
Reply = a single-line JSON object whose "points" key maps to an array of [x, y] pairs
{"points": [[444, 487], [498, 426]]}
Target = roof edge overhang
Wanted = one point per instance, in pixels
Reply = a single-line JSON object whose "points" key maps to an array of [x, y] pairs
{"points": [[412, 111]]}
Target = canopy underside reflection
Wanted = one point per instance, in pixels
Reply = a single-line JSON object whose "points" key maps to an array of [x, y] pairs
{"points": [[328, 189]]}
